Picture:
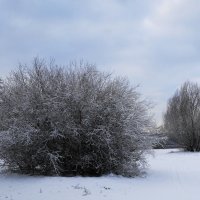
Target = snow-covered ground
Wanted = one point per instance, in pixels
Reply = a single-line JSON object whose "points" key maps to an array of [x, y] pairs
{"points": [[172, 175]]}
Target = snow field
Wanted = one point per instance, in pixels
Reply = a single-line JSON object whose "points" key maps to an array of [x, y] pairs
{"points": [[172, 175]]}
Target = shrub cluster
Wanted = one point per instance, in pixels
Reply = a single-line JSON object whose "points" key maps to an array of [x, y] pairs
{"points": [[71, 121]]}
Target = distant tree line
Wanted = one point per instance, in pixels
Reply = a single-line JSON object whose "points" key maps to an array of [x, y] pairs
{"points": [[182, 118], [72, 120]]}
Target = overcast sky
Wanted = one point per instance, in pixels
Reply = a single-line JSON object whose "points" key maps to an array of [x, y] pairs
{"points": [[155, 43]]}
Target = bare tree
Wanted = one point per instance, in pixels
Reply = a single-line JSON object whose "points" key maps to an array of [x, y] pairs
{"points": [[183, 116], [1, 88], [73, 120]]}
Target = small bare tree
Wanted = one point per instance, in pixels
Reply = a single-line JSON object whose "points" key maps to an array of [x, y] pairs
{"points": [[183, 116], [73, 120], [1, 88]]}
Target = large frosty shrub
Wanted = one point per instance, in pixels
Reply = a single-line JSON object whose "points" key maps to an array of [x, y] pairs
{"points": [[72, 121]]}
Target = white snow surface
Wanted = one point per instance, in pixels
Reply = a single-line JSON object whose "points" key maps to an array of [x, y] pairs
{"points": [[172, 175]]}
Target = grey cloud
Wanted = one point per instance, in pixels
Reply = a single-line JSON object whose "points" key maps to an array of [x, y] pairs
{"points": [[155, 43]]}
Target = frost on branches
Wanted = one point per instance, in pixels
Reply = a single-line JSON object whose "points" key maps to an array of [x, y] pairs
{"points": [[72, 121]]}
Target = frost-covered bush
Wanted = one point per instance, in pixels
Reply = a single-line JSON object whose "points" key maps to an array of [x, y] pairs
{"points": [[73, 120]]}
